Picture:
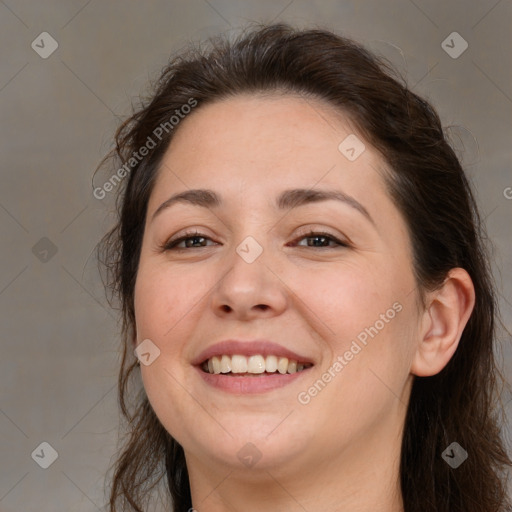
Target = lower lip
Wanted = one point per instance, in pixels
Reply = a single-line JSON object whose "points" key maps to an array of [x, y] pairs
{"points": [[248, 385]]}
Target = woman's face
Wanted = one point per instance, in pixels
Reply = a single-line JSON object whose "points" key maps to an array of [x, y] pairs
{"points": [[341, 302]]}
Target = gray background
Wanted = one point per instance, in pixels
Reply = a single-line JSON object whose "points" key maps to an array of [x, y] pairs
{"points": [[59, 340]]}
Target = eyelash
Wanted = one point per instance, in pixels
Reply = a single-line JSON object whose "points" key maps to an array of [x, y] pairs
{"points": [[171, 245]]}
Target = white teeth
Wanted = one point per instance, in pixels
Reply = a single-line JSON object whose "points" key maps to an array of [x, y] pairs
{"points": [[225, 364], [256, 364], [239, 364], [282, 365], [216, 364], [271, 364]]}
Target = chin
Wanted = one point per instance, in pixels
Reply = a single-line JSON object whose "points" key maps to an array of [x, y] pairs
{"points": [[252, 450]]}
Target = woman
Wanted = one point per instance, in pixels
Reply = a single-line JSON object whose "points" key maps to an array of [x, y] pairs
{"points": [[300, 265]]}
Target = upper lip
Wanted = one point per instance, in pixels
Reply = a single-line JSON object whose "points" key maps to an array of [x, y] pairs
{"points": [[248, 348]]}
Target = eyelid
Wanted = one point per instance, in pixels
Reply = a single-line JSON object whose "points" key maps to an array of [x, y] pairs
{"points": [[306, 232], [169, 243], [319, 231]]}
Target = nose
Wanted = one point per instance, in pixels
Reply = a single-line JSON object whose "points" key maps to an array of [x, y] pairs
{"points": [[249, 290]]}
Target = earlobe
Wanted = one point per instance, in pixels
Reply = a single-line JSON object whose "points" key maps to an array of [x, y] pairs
{"points": [[444, 319]]}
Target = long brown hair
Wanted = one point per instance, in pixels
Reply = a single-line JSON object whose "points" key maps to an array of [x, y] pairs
{"points": [[428, 185]]}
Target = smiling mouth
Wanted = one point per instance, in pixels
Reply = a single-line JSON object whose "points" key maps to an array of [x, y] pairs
{"points": [[252, 366]]}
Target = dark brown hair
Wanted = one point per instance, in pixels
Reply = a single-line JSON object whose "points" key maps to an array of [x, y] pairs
{"points": [[430, 189]]}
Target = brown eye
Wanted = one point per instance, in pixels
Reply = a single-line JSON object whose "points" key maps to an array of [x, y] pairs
{"points": [[319, 238], [195, 238]]}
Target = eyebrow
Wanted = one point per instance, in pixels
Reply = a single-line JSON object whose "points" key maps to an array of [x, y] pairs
{"points": [[287, 200]]}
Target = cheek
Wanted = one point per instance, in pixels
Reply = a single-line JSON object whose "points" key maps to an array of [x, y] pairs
{"points": [[368, 318], [165, 298], [368, 374], [350, 298], [166, 306]]}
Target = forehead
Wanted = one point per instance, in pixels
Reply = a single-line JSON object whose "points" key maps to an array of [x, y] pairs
{"points": [[260, 140], [280, 122]]}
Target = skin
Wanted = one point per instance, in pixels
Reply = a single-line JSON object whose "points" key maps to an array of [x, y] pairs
{"points": [[341, 450]]}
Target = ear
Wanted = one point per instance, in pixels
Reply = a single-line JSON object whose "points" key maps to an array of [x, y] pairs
{"points": [[447, 313]]}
